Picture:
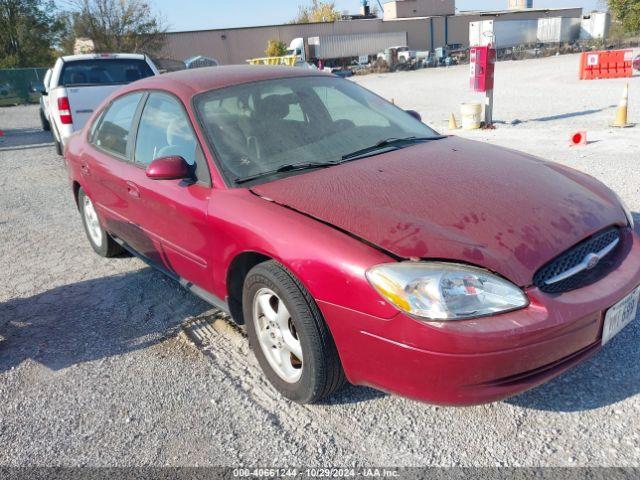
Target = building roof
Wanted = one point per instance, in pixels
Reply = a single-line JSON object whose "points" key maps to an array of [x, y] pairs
{"points": [[515, 10], [379, 19], [488, 13], [257, 27]]}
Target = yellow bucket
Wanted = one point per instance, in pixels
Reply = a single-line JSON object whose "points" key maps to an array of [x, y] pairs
{"points": [[471, 115]]}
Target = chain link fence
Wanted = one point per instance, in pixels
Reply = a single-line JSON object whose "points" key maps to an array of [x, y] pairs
{"points": [[20, 85]]}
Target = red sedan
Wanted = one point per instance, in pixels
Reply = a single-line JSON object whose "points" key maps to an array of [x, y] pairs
{"points": [[354, 242]]}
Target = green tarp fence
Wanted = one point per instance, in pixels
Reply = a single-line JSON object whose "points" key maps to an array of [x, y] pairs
{"points": [[20, 85]]}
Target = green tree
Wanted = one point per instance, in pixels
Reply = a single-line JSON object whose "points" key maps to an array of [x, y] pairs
{"points": [[128, 26], [28, 31], [275, 48], [627, 12], [317, 11]]}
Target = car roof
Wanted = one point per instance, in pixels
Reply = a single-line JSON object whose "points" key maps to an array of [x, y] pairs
{"points": [[193, 81], [103, 56]]}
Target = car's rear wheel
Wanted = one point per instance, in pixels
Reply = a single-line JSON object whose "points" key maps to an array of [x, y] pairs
{"points": [[46, 126], [289, 336], [100, 240]]}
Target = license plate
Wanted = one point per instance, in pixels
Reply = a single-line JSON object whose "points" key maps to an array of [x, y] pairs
{"points": [[620, 315]]}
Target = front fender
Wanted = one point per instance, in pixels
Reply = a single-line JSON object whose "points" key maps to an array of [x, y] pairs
{"points": [[329, 263]]}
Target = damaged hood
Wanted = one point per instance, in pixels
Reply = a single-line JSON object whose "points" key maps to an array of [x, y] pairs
{"points": [[457, 200]]}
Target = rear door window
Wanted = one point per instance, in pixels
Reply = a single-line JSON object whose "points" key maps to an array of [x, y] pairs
{"points": [[103, 71], [112, 134]]}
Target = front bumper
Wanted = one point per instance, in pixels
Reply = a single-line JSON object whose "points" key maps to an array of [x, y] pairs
{"points": [[482, 360]]}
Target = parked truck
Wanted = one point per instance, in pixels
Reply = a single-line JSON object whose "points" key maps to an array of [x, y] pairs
{"points": [[79, 83], [334, 50]]}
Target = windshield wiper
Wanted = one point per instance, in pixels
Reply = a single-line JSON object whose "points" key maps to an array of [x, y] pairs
{"points": [[387, 143], [383, 144], [290, 167]]}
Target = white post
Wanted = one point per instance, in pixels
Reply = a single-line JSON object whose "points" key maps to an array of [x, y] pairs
{"points": [[488, 108]]}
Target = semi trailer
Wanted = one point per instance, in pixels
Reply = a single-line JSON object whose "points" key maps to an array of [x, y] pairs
{"points": [[335, 50]]}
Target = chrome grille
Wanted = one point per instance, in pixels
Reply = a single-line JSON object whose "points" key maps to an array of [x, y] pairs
{"points": [[557, 276]]}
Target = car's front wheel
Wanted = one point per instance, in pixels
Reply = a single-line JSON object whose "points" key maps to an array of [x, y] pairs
{"points": [[289, 336], [100, 240]]}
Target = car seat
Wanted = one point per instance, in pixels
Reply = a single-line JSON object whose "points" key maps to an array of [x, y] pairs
{"points": [[180, 141]]}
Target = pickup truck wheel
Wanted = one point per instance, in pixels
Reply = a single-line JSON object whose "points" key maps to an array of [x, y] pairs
{"points": [[289, 336], [100, 240], [46, 126], [58, 146]]}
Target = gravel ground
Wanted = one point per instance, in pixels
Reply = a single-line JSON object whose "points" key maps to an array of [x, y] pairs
{"points": [[95, 369]]}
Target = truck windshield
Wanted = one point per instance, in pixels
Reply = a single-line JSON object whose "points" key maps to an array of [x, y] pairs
{"points": [[103, 71], [263, 126]]}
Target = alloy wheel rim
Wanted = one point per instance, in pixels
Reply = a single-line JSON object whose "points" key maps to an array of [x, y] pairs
{"points": [[92, 222], [277, 335]]}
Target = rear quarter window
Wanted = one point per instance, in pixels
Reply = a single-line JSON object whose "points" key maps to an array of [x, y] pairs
{"points": [[102, 71]]}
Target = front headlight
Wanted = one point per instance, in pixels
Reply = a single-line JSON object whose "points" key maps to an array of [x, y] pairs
{"points": [[445, 291], [626, 210]]}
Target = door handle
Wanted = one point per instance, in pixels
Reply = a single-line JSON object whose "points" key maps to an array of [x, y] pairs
{"points": [[132, 188], [84, 168]]}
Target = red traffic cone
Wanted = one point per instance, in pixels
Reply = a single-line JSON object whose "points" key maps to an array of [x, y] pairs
{"points": [[578, 138]]}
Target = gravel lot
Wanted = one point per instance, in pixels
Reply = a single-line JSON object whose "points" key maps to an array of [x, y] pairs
{"points": [[95, 369]]}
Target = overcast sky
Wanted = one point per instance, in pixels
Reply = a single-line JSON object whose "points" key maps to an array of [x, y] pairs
{"points": [[203, 14]]}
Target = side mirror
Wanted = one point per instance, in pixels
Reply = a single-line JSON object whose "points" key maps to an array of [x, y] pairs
{"points": [[169, 168], [415, 115]]}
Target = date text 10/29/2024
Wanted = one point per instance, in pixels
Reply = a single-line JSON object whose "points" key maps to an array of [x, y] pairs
{"points": [[315, 473]]}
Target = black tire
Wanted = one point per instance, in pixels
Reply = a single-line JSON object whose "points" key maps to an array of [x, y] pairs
{"points": [[46, 126], [58, 146], [322, 372], [108, 246]]}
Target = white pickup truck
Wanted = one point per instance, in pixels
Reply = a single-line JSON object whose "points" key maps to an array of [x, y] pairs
{"points": [[79, 83]]}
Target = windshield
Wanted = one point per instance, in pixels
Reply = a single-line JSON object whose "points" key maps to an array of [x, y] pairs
{"points": [[261, 127], [103, 71]]}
